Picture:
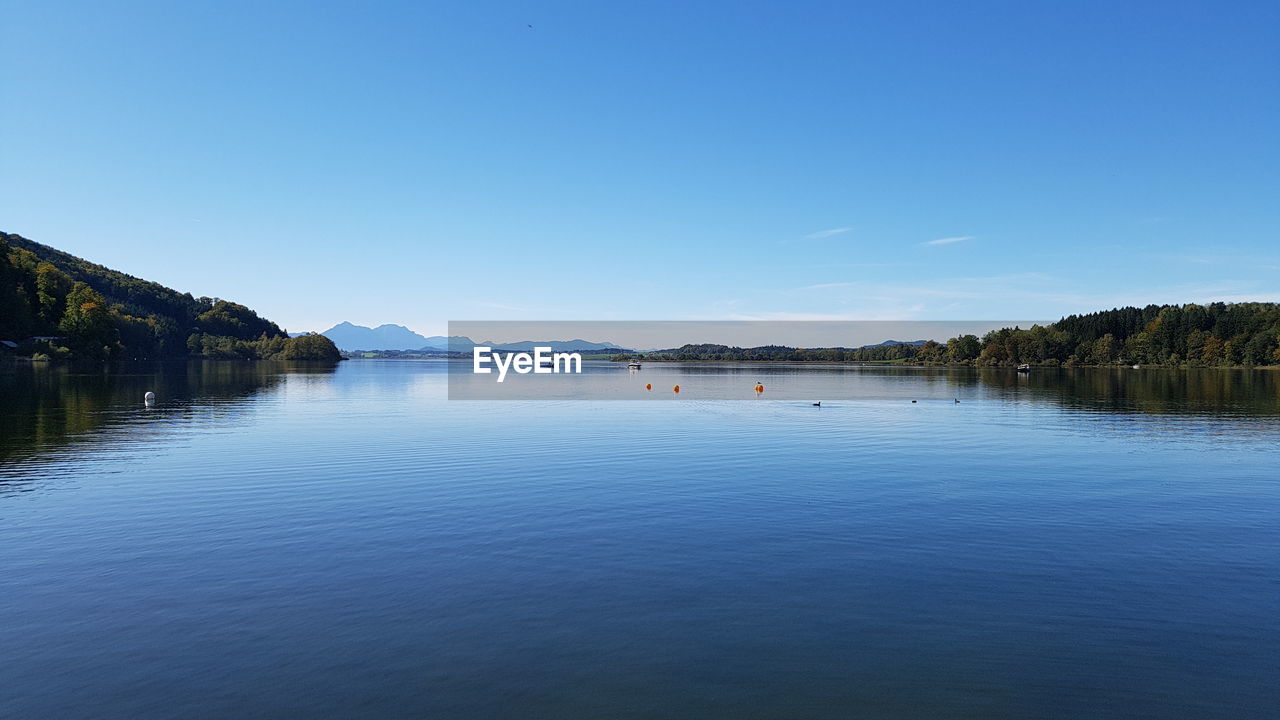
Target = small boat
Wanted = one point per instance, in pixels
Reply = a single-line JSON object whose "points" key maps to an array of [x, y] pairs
{"points": [[633, 365], [1024, 368]]}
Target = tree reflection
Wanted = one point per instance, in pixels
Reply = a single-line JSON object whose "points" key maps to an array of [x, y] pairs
{"points": [[44, 405]]}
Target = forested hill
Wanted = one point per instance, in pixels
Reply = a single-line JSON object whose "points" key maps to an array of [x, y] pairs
{"points": [[1213, 335], [56, 304]]}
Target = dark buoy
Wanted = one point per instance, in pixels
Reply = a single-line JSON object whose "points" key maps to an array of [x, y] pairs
{"points": [[913, 401]]}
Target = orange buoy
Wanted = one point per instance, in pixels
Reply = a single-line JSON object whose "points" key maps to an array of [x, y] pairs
{"points": [[648, 386], [759, 388], [676, 389]]}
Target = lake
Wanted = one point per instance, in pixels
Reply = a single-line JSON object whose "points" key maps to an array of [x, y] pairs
{"points": [[305, 542]]}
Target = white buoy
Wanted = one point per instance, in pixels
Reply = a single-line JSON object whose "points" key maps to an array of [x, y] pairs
{"points": [[149, 398]]}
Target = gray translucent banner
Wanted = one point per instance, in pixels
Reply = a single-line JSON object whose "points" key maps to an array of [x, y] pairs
{"points": [[686, 360]]}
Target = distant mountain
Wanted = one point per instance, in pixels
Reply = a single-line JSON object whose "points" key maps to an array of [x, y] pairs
{"points": [[457, 343], [556, 345], [890, 343], [348, 336], [461, 343], [397, 337]]}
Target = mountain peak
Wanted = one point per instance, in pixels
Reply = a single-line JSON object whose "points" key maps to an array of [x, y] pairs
{"points": [[349, 336]]}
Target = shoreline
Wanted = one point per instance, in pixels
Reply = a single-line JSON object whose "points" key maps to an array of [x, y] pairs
{"points": [[842, 363], [889, 363]]}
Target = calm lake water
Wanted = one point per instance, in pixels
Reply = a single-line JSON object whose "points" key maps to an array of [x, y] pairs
{"points": [[273, 542]]}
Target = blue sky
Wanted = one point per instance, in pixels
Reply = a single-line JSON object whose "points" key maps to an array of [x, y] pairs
{"points": [[416, 163]]}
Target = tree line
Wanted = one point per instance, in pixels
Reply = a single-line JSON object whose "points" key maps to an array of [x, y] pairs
{"points": [[56, 305], [1213, 335]]}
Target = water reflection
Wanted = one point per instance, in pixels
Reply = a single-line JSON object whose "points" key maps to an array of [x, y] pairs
{"points": [[44, 405], [1209, 392], [1154, 390], [1066, 544], [1146, 391]]}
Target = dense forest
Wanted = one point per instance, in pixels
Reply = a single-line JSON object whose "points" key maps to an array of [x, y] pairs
{"points": [[1213, 335], [58, 306]]}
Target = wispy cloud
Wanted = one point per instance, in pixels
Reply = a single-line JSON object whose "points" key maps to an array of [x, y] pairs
{"points": [[796, 316], [823, 234], [947, 287], [949, 240], [827, 286], [1251, 262], [506, 308], [965, 297]]}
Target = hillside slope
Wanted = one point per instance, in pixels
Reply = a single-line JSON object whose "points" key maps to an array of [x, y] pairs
{"points": [[88, 311]]}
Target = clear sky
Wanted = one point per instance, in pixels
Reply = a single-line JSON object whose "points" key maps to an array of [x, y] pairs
{"points": [[417, 162]]}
